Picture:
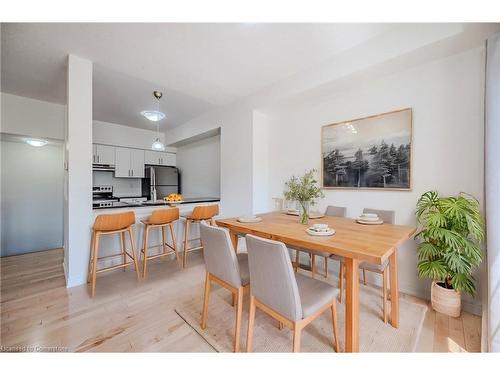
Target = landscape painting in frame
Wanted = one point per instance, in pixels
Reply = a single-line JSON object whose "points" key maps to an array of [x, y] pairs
{"points": [[368, 153]]}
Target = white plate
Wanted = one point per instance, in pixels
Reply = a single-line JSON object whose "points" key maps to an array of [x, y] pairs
{"points": [[368, 218], [369, 222], [331, 232], [243, 219]]}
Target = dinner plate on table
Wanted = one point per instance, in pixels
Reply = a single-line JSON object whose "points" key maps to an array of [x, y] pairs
{"points": [[369, 222], [312, 232]]}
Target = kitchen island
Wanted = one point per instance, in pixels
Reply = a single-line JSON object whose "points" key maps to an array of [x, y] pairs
{"points": [[111, 245]]}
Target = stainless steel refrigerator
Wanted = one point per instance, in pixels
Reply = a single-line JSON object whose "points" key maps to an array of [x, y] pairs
{"points": [[160, 182]]}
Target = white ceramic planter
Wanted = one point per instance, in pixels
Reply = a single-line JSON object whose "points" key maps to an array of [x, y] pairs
{"points": [[445, 301]]}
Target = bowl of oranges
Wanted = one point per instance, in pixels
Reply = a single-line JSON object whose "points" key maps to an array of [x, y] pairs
{"points": [[173, 199]]}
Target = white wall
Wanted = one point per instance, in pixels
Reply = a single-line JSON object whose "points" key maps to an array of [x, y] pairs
{"points": [[492, 184], [26, 116], [260, 166], [235, 154], [126, 136], [199, 165], [122, 187], [447, 101], [32, 204]]}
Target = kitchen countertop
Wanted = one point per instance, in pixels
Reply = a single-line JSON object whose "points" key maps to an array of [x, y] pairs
{"points": [[160, 204]]}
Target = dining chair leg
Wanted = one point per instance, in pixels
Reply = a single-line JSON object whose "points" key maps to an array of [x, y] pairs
{"points": [[364, 277], [251, 323], [341, 280], [206, 296], [239, 309], [297, 259], [186, 236], [145, 251], [94, 263], [174, 242], [163, 240], [312, 259], [91, 258], [122, 246], [296, 338], [233, 299], [384, 289], [335, 327], [326, 267], [134, 253]]}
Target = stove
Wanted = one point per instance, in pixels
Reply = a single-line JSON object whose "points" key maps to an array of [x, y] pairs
{"points": [[102, 196]]}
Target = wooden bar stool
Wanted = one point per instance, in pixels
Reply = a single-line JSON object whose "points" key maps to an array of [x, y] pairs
{"points": [[160, 219], [112, 224], [199, 214]]}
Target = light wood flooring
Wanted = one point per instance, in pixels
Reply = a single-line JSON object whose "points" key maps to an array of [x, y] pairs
{"points": [[38, 313]]}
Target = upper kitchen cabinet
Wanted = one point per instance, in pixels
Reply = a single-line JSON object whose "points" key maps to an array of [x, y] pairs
{"points": [[129, 162], [103, 154], [160, 158]]}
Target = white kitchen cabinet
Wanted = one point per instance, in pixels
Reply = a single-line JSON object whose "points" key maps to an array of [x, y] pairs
{"points": [[137, 162], [170, 159], [129, 162], [159, 158], [153, 157], [103, 154]]}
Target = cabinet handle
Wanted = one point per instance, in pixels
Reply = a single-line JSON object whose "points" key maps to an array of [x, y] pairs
{"points": [[132, 172], [98, 158], [161, 160]]}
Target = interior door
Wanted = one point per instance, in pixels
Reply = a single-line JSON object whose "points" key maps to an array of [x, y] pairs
{"points": [[122, 162], [137, 163]]}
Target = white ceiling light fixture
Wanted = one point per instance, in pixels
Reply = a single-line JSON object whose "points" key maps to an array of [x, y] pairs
{"points": [[153, 115], [35, 142], [157, 145]]}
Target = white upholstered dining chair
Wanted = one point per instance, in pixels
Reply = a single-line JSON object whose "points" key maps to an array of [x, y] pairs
{"points": [[293, 299], [226, 268]]}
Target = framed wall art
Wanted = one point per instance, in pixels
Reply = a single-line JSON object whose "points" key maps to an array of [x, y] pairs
{"points": [[373, 152]]}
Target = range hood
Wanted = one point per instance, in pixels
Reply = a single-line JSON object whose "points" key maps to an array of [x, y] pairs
{"points": [[103, 167]]}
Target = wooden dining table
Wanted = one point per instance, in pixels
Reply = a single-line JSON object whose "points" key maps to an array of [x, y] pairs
{"points": [[353, 241]]}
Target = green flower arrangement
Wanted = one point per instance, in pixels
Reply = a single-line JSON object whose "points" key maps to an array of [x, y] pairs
{"points": [[305, 191]]}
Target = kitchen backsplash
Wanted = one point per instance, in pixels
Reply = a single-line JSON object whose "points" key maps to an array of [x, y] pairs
{"points": [[122, 187]]}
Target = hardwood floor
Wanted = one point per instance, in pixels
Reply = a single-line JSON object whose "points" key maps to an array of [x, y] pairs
{"points": [[38, 313]]}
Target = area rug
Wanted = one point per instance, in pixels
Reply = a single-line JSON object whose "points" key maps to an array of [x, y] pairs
{"points": [[375, 336]]}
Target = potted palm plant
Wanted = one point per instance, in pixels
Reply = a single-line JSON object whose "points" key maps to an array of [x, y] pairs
{"points": [[451, 230], [305, 191]]}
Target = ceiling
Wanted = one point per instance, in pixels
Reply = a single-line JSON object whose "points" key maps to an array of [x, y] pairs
{"points": [[197, 66]]}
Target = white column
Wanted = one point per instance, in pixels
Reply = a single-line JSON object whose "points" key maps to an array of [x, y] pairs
{"points": [[78, 163], [492, 188]]}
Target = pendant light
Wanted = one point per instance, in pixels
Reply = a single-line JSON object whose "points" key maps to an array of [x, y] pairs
{"points": [[157, 145]]}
